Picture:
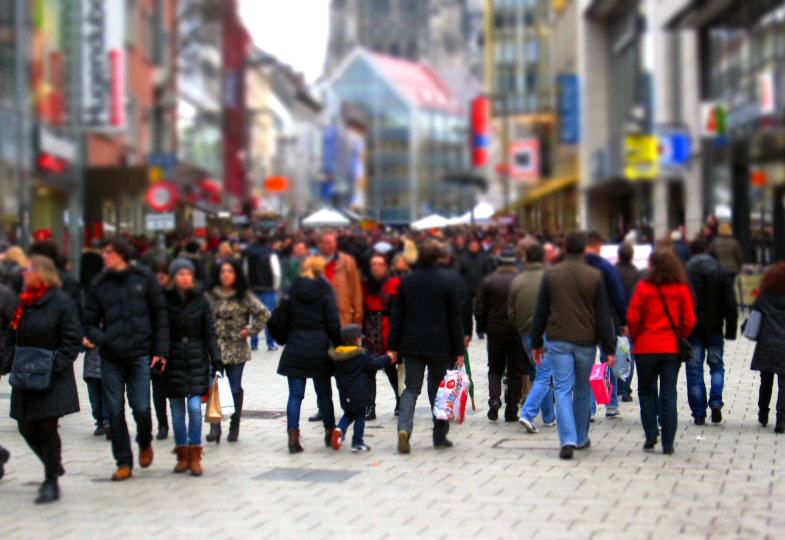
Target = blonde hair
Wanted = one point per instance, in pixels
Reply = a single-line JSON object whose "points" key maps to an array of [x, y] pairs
{"points": [[15, 253], [46, 269], [313, 267]]}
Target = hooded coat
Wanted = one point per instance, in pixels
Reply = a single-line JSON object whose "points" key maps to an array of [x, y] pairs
{"points": [[715, 300], [768, 356], [315, 325], [354, 366]]}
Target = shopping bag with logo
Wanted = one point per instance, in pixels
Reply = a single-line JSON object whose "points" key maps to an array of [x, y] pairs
{"points": [[213, 412], [601, 383], [464, 385], [446, 396], [623, 359]]}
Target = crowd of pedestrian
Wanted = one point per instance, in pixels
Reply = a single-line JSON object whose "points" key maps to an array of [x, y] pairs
{"points": [[158, 321]]}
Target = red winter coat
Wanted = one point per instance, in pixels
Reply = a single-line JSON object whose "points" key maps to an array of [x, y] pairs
{"points": [[650, 330], [379, 303]]}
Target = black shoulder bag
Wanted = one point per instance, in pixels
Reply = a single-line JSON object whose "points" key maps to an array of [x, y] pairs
{"points": [[280, 323], [685, 349]]}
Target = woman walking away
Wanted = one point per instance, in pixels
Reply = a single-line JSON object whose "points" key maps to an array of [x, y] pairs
{"points": [[46, 318], [314, 326], [769, 358], [238, 315], [194, 358], [379, 290], [663, 296]]}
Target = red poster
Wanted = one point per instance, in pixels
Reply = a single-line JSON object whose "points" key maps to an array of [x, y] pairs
{"points": [[235, 44]]}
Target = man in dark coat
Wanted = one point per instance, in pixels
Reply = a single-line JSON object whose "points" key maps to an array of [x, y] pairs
{"points": [[715, 303], [426, 329], [630, 276], [505, 348], [474, 266], [130, 303]]}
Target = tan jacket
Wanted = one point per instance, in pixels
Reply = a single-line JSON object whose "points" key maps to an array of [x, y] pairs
{"points": [[348, 290]]}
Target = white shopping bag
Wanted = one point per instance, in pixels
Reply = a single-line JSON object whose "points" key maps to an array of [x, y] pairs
{"points": [[227, 399]]}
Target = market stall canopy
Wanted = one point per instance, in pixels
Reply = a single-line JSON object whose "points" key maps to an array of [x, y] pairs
{"points": [[483, 213], [326, 217], [434, 221]]}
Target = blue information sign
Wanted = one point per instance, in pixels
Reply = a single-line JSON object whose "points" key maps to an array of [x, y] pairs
{"points": [[569, 108]]}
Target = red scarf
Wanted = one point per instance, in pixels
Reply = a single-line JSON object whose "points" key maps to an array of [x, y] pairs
{"points": [[27, 299]]}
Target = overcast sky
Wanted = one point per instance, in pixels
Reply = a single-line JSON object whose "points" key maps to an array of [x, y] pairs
{"points": [[295, 31]]}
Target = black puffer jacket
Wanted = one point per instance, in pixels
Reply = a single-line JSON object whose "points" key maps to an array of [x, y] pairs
{"points": [[193, 348], [715, 301], [51, 323], [71, 288], [8, 303], [353, 368], [315, 326], [132, 307], [769, 349]]}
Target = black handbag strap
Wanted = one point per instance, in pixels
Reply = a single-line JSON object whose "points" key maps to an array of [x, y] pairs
{"points": [[668, 313]]}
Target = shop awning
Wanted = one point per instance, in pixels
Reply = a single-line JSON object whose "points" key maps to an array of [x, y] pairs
{"points": [[697, 13], [545, 188]]}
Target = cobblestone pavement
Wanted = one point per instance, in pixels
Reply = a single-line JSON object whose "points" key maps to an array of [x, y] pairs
{"points": [[724, 480]]}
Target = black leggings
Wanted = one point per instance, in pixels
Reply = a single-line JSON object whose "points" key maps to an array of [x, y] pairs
{"points": [[392, 376], [43, 439], [764, 397]]}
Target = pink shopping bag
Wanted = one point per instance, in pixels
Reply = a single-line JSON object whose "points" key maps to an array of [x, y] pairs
{"points": [[601, 383]]}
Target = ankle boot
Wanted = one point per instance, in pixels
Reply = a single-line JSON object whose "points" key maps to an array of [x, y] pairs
{"points": [[183, 459], [48, 492], [215, 434], [195, 457], [294, 441], [779, 427], [234, 423]]}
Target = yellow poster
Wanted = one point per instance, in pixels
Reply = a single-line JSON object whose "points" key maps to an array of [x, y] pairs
{"points": [[641, 157]]}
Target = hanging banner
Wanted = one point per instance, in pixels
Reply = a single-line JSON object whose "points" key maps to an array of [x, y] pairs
{"points": [[569, 108], [641, 157], [525, 160], [103, 60]]}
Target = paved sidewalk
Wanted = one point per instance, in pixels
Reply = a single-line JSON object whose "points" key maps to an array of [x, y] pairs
{"points": [[498, 482]]}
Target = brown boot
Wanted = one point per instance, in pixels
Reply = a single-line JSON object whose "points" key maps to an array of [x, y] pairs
{"points": [[122, 473], [294, 441], [146, 456], [183, 459], [195, 455]]}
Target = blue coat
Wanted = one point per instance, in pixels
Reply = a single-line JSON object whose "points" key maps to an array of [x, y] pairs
{"points": [[613, 286], [353, 367]]}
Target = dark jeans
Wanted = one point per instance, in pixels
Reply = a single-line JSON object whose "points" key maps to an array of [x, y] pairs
{"points": [[358, 417], [269, 299], [132, 378], [43, 439], [392, 376], [764, 396], [666, 368], [234, 373], [708, 348], [415, 373], [159, 402], [97, 405], [324, 399], [505, 351]]}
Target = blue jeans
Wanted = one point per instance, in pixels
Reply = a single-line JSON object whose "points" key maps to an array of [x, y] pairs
{"points": [[97, 403], [193, 434], [358, 417], [666, 368], [324, 399], [709, 348], [613, 406], [571, 370], [269, 300], [541, 394], [234, 372], [132, 378]]}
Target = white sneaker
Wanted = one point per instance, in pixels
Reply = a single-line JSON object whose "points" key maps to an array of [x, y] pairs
{"points": [[356, 449], [528, 424], [549, 424]]}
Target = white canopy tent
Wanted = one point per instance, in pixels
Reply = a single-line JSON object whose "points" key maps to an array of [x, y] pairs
{"points": [[483, 213], [434, 221], [326, 217]]}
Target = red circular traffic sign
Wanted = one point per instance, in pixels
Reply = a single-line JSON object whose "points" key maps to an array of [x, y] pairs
{"points": [[162, 196]]}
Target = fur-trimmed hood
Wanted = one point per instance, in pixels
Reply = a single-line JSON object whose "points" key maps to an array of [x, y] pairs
{"points": [[345, 353]]}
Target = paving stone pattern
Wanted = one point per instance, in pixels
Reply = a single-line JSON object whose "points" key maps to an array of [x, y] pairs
{"points": [[724, 481]]}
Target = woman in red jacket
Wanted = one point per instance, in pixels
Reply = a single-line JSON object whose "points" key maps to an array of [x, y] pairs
{"points": [[656, 346], [379, 289]]}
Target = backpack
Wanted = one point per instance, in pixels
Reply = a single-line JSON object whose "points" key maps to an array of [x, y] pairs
{"points": [[280, 321]]}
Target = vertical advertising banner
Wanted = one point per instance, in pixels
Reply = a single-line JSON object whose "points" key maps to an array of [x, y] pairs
{"points": [[235, 42], [103, 64], [569, 108]]}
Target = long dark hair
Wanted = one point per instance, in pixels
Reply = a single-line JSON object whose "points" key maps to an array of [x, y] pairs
{"points": [[667, 267], [774, 280], [240, 283]]}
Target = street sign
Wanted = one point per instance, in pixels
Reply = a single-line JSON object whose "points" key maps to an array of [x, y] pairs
{"points": [[160, 222], [714, 119], [641, 157], [675, 149], [162, 196], [525, 160]]}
